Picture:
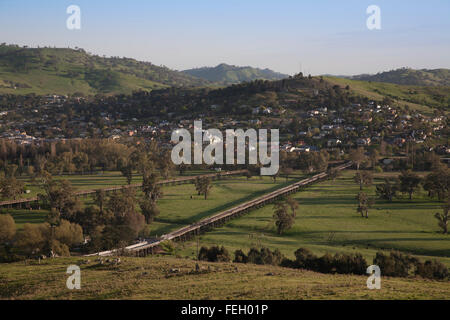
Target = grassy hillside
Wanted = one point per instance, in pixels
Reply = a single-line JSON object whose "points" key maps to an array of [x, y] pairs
{"points": [[327, 221], [153, 278], [419, 98], [405, 76], [68, 71], [226, 74]]}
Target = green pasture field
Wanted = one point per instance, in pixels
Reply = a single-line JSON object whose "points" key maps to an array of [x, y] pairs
{"points": [[99, 180], [177, 209], [327, 221]]}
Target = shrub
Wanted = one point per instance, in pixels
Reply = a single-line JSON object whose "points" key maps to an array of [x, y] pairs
{"points": [[394, 265], [214, 254], [305, 259], [287, 263], [58, 248], [350, 264], [271, 258], [203, 254], [265, 257], [325, 264], [240, 257], [432, 270], [169, 247], [339, 263]]}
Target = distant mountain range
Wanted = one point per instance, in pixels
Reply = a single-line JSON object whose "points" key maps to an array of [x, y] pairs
{"points": [[406, 76], [46, 70], [227, 74]]}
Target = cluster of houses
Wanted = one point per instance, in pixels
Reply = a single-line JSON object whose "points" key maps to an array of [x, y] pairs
{"points": [[320, 127]]}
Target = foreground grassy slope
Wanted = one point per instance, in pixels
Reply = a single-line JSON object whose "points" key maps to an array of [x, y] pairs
{"points": [[151, 278], [327, 221]]}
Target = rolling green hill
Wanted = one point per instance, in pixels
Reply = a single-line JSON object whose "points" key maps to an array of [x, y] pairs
{"points": [[68, 71], [421, 98], [405, 76], [226, 74]]}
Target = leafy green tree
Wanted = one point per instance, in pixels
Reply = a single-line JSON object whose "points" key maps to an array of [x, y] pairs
{"points": [[60, 196], [437, 183], [32, 238], [11, 188], [121, 203], [166, 166], [443, 218], [135, 221], [283, 219], [204, 186], [7, 228], [92, 217], [409, 182], [387, 190], [100, 198], [70, 234], [149, 209], [127, 172], [151, 188]]}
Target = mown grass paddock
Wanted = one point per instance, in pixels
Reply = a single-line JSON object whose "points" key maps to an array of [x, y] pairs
{"points": [[327, 221], [99, 180], [176, 207], [163, 278]]}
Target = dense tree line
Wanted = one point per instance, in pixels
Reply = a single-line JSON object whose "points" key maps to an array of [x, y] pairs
{"points": [[395, 264]]}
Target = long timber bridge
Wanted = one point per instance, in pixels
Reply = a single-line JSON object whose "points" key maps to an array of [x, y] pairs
{"points": [[145, 248], [28, 203]]}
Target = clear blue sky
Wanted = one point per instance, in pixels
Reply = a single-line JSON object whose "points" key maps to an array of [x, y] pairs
{"points": [[321, 36]]}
